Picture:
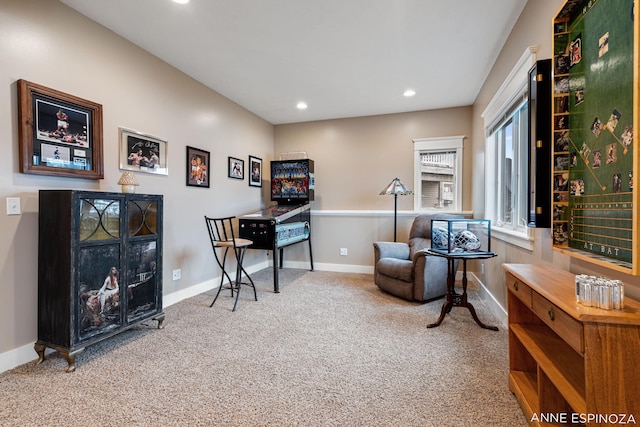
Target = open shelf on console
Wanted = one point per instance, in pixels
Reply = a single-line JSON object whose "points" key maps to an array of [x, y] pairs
{"points": [[557, 360]]}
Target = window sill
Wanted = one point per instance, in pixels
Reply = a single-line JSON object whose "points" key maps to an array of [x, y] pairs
{"points": [[516, 238]]}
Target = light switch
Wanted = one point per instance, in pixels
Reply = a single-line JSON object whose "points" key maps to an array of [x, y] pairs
{"points": [[13, 206]]}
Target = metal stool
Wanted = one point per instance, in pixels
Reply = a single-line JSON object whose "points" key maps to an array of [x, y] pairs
{"points": [[222, 239]]}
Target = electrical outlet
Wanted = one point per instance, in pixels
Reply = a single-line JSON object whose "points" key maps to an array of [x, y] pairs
{"points": [[343, 252], [177, 274]]}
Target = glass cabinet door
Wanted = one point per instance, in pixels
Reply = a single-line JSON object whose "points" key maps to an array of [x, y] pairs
{"points": [[99, 219], [99, 296], [143, 217], [142, 278], [98, 266]]}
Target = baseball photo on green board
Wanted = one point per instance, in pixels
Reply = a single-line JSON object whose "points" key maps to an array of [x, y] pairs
{"points": [[593, 128]]}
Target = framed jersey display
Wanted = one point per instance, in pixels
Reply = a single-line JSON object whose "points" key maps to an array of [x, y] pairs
{"points": [[60, 134]]}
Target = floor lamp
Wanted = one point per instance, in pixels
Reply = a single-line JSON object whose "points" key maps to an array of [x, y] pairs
{"points": [[395, 188]]}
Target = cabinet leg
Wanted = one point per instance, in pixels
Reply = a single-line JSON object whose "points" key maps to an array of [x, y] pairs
{"points": [[40, 348], [70, 357], [160, 318]]}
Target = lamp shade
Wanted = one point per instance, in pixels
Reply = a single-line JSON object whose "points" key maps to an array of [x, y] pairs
{"points": [[128, 182], [396, 187]]}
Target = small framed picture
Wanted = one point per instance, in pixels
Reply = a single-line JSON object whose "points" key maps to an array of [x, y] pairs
{"points": [[197, 167], [140, 152], [236, 168], [255, 171]]}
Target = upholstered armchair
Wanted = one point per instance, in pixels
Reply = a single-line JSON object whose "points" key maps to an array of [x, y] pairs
{"points": [[406, 270]]}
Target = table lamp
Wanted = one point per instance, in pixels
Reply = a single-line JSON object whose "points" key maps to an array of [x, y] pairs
{"points": [[395, 188], [128, 182]]}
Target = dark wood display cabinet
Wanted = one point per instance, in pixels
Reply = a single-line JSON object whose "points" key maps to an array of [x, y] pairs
{"points": [[99, 267]]}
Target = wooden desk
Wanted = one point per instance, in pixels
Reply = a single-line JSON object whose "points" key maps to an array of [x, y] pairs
{"points": [[454, 299]]}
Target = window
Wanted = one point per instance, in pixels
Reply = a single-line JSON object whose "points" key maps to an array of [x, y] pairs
{"points": [[507, 154], [438, 174], [511, 155]]}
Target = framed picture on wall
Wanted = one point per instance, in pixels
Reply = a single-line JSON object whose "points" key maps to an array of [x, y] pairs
{"points": [[255, 171], [236, 168], [59, 134], [197, 167], [140, 152]]}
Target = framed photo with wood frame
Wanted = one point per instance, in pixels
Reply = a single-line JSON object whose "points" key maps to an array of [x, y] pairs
{"points": [[140, 152], [255, 171], [59, 134], [236, 168], [197, 167]]}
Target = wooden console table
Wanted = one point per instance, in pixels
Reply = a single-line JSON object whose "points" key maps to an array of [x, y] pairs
{"points": [[569, 363]]}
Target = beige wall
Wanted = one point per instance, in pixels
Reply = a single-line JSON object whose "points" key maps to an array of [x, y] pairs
{"points": [[533, 28], [355, 158], [47, 43]]}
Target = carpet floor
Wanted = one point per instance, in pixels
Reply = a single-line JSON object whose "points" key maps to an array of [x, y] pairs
{"points": [[330, 349]]}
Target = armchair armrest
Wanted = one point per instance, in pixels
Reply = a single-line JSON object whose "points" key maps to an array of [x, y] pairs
{"points": [[397, 250], [430, 275]]}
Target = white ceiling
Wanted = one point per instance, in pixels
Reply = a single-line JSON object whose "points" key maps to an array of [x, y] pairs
{"points": [[344, 58]]}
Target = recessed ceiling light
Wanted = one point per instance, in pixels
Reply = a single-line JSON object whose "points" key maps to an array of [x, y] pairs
{"points": [[409, 92], [181, 1], [302, 105]]}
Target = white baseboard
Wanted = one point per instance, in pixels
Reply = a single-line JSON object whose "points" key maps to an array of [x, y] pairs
{"points": [[198, 288], [17, 357], [473, 282], [488, 298], [338, 268], [208, 285], [26, 353]]}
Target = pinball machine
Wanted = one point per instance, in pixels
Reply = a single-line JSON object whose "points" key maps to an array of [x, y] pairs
{"points": [[288, 222]]}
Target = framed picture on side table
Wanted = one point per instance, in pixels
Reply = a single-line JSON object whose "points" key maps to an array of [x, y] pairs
{"points": [[59, 134], [255, 171], [197, 167], [236, 168]]}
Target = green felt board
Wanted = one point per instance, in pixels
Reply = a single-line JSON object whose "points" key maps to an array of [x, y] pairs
{"points": [[600, 178]]}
